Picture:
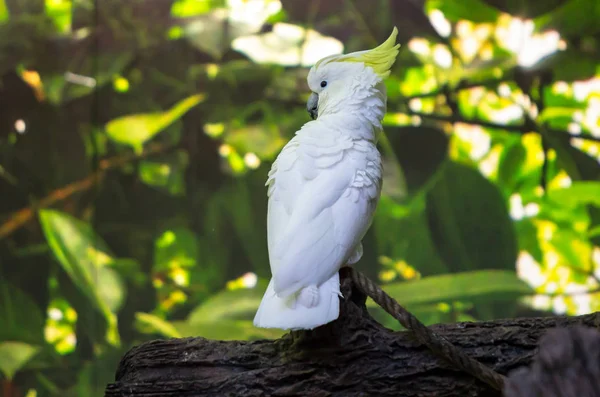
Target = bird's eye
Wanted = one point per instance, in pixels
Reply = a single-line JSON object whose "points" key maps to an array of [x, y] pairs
{"points": [[323, 84]]}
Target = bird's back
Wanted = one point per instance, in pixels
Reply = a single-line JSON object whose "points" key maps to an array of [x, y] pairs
{"points": [[322, 190]]}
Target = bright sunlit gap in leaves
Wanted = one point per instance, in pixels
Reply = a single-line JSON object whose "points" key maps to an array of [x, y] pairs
{"points": [[517, 35], [440, 23], [251, 160], [472, 39], [235, 162], [204, 28], [514, 34], [180, 277], [476, 140], [59, 330], [488, 166], [591, 116], [565, 269], [214, 130], [519, 211], [120, 84], [288, 45], [20, 126], [552, 282], [396, 269], [254, 11], [583, 121], [248, 280], [175, 257]]}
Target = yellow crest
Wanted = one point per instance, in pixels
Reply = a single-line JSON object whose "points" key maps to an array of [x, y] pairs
{"points": [[380, 58]]}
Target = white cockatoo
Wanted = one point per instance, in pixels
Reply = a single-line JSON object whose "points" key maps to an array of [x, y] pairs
{"points": [[323, 189]]}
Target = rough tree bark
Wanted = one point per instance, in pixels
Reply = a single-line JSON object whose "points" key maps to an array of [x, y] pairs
{"points": [[353, 356], [567, 365]]}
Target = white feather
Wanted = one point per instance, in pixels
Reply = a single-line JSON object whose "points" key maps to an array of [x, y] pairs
{"points": [[323, 189]]}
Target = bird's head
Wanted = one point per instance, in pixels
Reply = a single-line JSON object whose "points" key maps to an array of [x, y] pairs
{"points": [[334, 80]]}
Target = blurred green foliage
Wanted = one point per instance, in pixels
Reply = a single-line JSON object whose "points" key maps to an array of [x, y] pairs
{"points": [[136, 137]]}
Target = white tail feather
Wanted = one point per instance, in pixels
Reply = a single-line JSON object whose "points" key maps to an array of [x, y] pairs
{"points": [[292, 312]]}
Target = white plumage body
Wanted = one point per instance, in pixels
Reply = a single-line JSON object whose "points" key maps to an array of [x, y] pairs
{"points": [[323, 189]]}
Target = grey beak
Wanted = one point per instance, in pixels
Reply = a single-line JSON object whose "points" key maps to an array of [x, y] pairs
{"points": [[312, 105]]}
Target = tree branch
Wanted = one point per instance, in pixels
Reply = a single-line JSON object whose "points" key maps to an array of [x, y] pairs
{"points": [[352, 356], [20, 218], [518, 128], [462, 85]]}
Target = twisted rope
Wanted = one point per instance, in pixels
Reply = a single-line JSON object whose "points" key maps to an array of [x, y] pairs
{"points": [[438, 344]]}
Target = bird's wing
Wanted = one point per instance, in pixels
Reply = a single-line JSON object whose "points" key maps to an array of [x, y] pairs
{"points": [[282, 184], [298, 163], [327, 210]]}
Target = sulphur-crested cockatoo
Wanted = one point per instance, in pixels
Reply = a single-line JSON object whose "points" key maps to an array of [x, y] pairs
{"points": [[323, 189]]}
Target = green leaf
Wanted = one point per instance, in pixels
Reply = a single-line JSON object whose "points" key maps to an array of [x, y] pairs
{"points": [[86, 259], [167, 174], [558, 117], [192, 8], [578, 165], [472, 10], [390, 224], [234, 304], [228, 315], [217, 246], [263, 140], [419, 166], [526, 9], [93, 375], [60, 12], [575, 249], [579, 193], [594, 232], [575, 18], [213, 32], [77, 83], [20, 317], [240, 202], [4, 15], [529, 238], [111, 289], [566, 99], [415, 81], [150, 324], [510, 166], [227, 330], [569, 65], [550, 113], [15, 356], [175, 248], [428, 314], [479, 286], [469, 221], [135, 130]]}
